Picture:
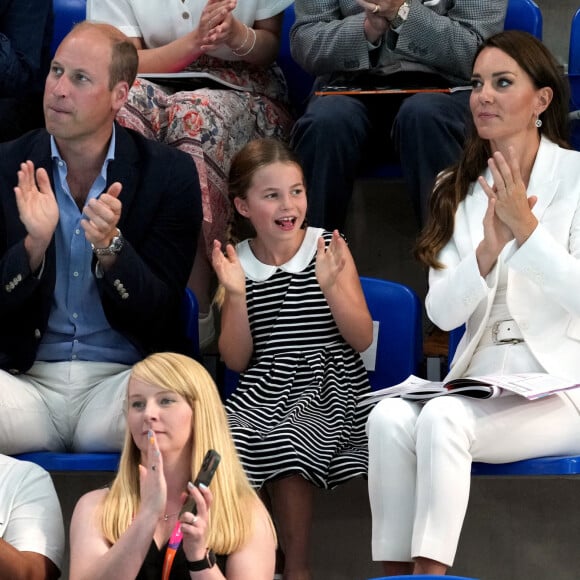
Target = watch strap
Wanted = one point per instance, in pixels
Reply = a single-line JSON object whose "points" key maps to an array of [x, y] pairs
{"points": [[401, 16], [113, 248], [203, 564]]}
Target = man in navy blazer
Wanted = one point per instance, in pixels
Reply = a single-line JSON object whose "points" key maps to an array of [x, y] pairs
{"points": [[98, 230]]}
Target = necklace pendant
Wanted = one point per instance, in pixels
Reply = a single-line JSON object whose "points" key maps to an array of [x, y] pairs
{"points": [[165, 517]]}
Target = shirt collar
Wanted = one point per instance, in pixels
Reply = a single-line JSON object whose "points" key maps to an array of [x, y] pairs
{"points": [[258, 271], [55, 153]]}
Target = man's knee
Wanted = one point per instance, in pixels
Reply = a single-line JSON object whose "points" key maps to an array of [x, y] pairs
{"points": [[330, 118], [422, 109]]}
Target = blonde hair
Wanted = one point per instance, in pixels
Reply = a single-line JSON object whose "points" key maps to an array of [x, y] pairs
{"points": [[234, 499]]}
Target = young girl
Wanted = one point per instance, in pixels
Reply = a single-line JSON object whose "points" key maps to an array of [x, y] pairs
{"points": [[293, 321]]}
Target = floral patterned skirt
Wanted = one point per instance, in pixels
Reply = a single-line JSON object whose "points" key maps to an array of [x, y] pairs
{"points": [[212, 125]]}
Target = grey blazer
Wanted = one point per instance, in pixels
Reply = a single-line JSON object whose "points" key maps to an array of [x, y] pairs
{"points": [[439, 36]]}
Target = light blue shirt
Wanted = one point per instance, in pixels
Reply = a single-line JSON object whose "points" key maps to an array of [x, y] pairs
{"points": [[77, 326]]}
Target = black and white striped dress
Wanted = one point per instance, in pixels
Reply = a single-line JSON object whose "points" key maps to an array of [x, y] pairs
{"points": [[294, 411]]}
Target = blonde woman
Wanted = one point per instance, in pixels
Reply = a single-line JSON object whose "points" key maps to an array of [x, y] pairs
{"points": [[174, 415]]}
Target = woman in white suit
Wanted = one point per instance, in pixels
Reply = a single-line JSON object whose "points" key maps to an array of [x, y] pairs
{"points": [[503, 248]]}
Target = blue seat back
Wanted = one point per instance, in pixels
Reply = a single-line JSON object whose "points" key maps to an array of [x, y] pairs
{"points": [[299, 81], [397, 310], [190, 316], [565, 465], [67, 13], [52, 461], [524, 15], [574, 75]]}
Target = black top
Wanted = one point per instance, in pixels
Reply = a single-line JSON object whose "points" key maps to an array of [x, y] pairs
{"points": [[153, 564]]}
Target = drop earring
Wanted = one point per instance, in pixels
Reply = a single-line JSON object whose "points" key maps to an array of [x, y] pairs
{"points": [[538, 122]]}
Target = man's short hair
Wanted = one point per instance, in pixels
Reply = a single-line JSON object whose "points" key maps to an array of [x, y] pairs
{"points": [[124, 57]]}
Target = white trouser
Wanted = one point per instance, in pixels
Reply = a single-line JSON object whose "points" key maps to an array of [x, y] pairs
{"points": [[55, 406], [420, 462]]}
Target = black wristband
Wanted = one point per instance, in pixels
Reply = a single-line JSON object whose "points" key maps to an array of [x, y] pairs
{"points": [[203, 564]]}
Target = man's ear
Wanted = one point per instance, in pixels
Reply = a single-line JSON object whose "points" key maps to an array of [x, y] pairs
{"points": [[242, 206], [120, 94]]}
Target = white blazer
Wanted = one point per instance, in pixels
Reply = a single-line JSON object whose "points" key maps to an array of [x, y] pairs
{"points": [[543, 290]]}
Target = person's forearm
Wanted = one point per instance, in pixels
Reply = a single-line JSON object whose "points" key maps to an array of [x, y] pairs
{"points": [[263, 49], [17, 565], [235, 341], [124, 558], [351, 316], [172, 57], [36, 250]]}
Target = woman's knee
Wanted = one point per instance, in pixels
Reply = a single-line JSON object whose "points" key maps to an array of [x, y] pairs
{"points": [[391, 417], [446, 418]]}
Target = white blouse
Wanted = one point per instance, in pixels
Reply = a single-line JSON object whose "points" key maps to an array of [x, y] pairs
{"points": [[159, 22]]}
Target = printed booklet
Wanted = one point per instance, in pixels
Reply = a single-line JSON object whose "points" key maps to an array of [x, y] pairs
{"points": [[529, 385]]}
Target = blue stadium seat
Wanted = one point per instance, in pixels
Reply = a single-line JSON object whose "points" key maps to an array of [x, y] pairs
{"points": [[67, 13], [524, 15], [53, 461], [396, 312], [299, 81], [574, 81], [564, 465]]}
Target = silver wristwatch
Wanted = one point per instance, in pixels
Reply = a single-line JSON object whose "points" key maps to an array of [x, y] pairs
{"points": [[114, 247], [402, 14]]}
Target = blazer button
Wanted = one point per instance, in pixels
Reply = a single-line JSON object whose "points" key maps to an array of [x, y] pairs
{"points": [[36, 333]]}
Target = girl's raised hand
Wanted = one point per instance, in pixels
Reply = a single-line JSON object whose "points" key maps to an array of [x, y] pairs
{"points": [[195, 528], [153, 487], [228, 268], [330, 261]]}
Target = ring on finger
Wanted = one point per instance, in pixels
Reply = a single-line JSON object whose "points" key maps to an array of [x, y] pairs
{"points": [[375, 9]]}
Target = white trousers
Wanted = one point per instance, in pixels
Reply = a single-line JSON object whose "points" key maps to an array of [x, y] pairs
{"points": [[420, 462], [58, 406]]}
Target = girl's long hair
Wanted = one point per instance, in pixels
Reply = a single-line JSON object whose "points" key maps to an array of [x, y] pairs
{"points": [[453, 184], [234, 500]]}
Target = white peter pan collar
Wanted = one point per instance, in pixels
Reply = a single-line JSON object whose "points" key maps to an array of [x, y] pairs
{"points": [[258, 271]]}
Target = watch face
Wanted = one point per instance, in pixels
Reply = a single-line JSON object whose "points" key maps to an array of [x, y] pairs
{"points": [[404, 11]]}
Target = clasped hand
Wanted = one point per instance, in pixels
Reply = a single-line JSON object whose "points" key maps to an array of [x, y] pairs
{"points": [[217, 25], [509, 212]]}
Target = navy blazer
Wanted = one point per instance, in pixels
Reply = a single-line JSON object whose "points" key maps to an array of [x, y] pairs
{"points": [[142, 292]]}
